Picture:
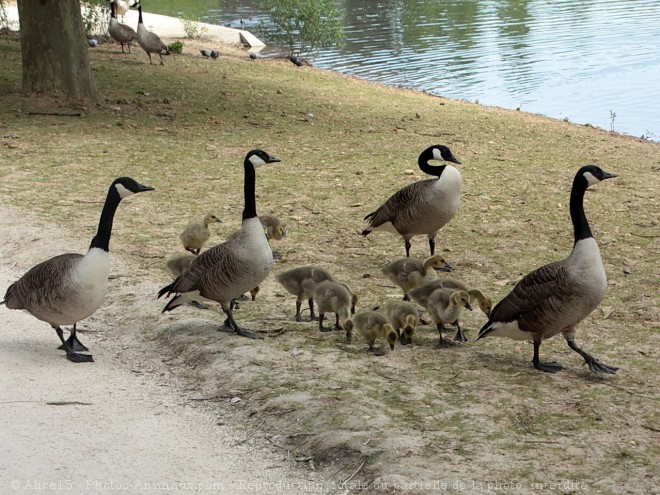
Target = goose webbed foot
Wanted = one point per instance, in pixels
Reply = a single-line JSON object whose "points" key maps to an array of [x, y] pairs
{"points": [[242, 297], [230, 326], [70, 354], [404, 340], [444, 343], [73, 343], [592, 362], [548, 367], [321, 327], [198, 305]]}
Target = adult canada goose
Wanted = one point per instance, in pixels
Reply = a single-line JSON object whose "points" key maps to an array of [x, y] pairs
{"points": [[195, 235], [120, 32], [422, 207], [556, 297], [373, 325], [409, 273], [332, 297], [300, 282], [150, 42], [224, 272], [446, 306], [70, 287], [404, 318]]}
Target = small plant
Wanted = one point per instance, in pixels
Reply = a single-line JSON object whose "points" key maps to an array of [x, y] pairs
{"points": [[192, 29], [303, 26], [175, 47], [96, 15], [612, 119]]}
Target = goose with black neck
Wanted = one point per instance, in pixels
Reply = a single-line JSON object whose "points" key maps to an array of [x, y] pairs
{"points": [[556, 297], [224, 272], [71, 287], [425, 206]]}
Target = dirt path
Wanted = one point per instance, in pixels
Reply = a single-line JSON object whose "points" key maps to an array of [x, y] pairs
{"points": [[123, 423]]}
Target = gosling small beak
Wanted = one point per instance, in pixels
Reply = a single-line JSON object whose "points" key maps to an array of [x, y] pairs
{"points": [[392, 346], [468, 306], [447, 268]]}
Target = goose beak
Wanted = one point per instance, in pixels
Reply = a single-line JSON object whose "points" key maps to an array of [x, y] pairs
{"points": [[142, 188], [272, 159], [607, 175]]}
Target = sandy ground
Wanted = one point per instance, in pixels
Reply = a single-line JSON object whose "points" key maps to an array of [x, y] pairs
{"points": [[123, 423]]}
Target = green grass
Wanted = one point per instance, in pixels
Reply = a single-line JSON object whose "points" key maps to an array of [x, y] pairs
{"points": [[479, 410]]}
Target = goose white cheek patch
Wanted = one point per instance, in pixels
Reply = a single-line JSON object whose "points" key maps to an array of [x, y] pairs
{"points": [[256, 161], [123, 192], [591, 179], [437, 155]]}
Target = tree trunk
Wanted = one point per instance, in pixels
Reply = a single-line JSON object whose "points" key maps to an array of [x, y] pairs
{"points": [[54, 49]]}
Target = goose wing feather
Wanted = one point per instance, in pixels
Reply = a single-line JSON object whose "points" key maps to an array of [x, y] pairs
{"points": [[533, 291], [401, 207], [44, 284]]}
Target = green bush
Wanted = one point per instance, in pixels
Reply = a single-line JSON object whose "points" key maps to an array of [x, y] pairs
{"points": [[176, 47], [96, 17], [192, 29], [303, 26]]}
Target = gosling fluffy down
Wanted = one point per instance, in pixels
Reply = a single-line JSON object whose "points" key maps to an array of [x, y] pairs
{"points": [[373, 325], [446, 306], [404, 318], [195, 235], [332, 297]]}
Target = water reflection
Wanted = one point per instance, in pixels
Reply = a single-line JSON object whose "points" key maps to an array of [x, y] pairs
{"points": [[563, 58]]}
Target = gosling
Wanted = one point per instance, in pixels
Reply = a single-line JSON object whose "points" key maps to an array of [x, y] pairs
{"points": [[196, 234], [300, 282], [179, 264], [421, 294], [372, 325], [409, 273], [274, 227], [404, 318], [332, 297], [446, 306]]}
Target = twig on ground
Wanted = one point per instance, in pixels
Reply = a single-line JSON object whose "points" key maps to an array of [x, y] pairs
{"points": [[251, 434]]}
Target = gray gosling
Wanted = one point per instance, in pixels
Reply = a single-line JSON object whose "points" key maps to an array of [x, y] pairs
{"points": [[179, 264], [195, 235], [446, 306], [404, 318], [408, 273], [332, 297], [300, 282], [274, 227], [373, 325]]}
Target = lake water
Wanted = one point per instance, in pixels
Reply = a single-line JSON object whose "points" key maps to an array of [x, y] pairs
{"points": [[588, 61]]}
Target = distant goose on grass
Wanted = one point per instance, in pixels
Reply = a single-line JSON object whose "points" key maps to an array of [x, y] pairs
{"points": [[232, 268], [150, 42], [422, 207], [70, 287], [556, 297], [121, 33]]}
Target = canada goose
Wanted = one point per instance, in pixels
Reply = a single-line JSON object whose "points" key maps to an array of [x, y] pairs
{"points": [[332, 297], [422, 207], [404, 318], [209, 53], [409, 273], [227, 270], [195, 235], [150, 42], [70, 287], [123, 6], [446, 305], [372, 325], [275, 228], [300, 282], [556, 297], [120, 32]]}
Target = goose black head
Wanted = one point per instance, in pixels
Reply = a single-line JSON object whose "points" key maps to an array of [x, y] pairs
{"points": [[259, 158], [126, 186], [441, 152], [593, 174]]}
